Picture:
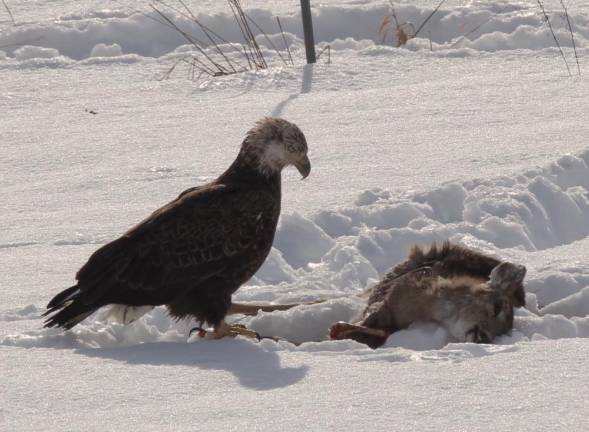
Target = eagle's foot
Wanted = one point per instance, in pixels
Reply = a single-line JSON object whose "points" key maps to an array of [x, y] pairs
{"points": [[225, 330], [343, 330]]}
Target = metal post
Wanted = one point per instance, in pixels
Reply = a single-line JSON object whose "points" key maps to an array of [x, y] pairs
{"points": [[308, 31]]}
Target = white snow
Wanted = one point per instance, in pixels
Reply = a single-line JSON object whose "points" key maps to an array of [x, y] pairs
{"points": [[481, 140], [104, 50], [30, 52]]}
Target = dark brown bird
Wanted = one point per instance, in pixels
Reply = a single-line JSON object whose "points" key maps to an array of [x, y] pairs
{"points": [[469, 293], [193, 253]]}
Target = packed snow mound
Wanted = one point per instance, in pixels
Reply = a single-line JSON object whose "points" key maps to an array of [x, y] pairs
{"points": [[333, 255], [297, 233], [30, 52], [104, 50], [25, 313], [453, 30]]}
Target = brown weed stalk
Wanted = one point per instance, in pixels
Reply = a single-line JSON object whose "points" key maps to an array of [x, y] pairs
{"points": [[554, 36]]}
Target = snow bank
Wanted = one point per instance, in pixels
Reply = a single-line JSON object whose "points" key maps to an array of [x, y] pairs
{"points": [[556, 285], [453, 30], [419, 337], [28, 52], [552, 327], [104, 50], [306, 323], [296, 234], [154, 327], [575, 305], [534, 211], [335, 254], [25, 313]]}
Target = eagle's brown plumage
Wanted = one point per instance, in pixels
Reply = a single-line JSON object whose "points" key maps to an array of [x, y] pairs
{"points": [[195, 252]]}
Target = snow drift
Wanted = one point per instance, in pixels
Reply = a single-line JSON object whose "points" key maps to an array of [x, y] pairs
{"points": [[335, 254], [459, 140], [453, 30]]}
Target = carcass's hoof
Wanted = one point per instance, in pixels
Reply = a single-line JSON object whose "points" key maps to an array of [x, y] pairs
{"points": [[340, 330]]}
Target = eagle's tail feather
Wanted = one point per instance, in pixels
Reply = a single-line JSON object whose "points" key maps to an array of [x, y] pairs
{"points": [[67, 309], [69, 316], [63, 297]]}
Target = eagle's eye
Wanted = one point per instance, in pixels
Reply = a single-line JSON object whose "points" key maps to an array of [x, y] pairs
{"points": [[291, 148]]}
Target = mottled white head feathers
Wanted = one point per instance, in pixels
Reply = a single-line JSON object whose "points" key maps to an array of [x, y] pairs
{"points": [[274, 143]]}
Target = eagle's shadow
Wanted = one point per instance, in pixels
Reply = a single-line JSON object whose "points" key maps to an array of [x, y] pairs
{"points": [[253, 366]]}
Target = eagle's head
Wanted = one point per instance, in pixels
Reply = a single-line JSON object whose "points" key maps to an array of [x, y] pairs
{"points": [[274, 143]]}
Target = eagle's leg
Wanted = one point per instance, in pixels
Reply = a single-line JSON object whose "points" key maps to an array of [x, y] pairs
{"points": [[223, 329], [253, 309]]}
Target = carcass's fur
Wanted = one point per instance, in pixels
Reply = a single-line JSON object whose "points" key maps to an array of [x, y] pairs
{"points": [[469, 293]]}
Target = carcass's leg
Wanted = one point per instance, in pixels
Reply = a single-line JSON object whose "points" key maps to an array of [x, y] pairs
{"points": [[342, 330], [253, 309], [372, 337]]}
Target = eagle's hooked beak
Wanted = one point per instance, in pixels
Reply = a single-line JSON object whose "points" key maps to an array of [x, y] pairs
{"points": [[304, 166]]}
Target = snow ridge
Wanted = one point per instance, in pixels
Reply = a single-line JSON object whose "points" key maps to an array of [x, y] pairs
{"points": [[335, 254], [453, 31]]}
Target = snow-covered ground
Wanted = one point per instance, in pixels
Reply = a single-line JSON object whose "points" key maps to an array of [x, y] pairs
{"points": [[480, 139]]}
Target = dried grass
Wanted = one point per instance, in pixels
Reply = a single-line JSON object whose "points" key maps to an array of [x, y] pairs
{"points": [[9, 12], [218, 62]]}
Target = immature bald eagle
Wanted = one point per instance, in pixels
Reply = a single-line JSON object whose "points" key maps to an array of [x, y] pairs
{"points": [[193, 253]]}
